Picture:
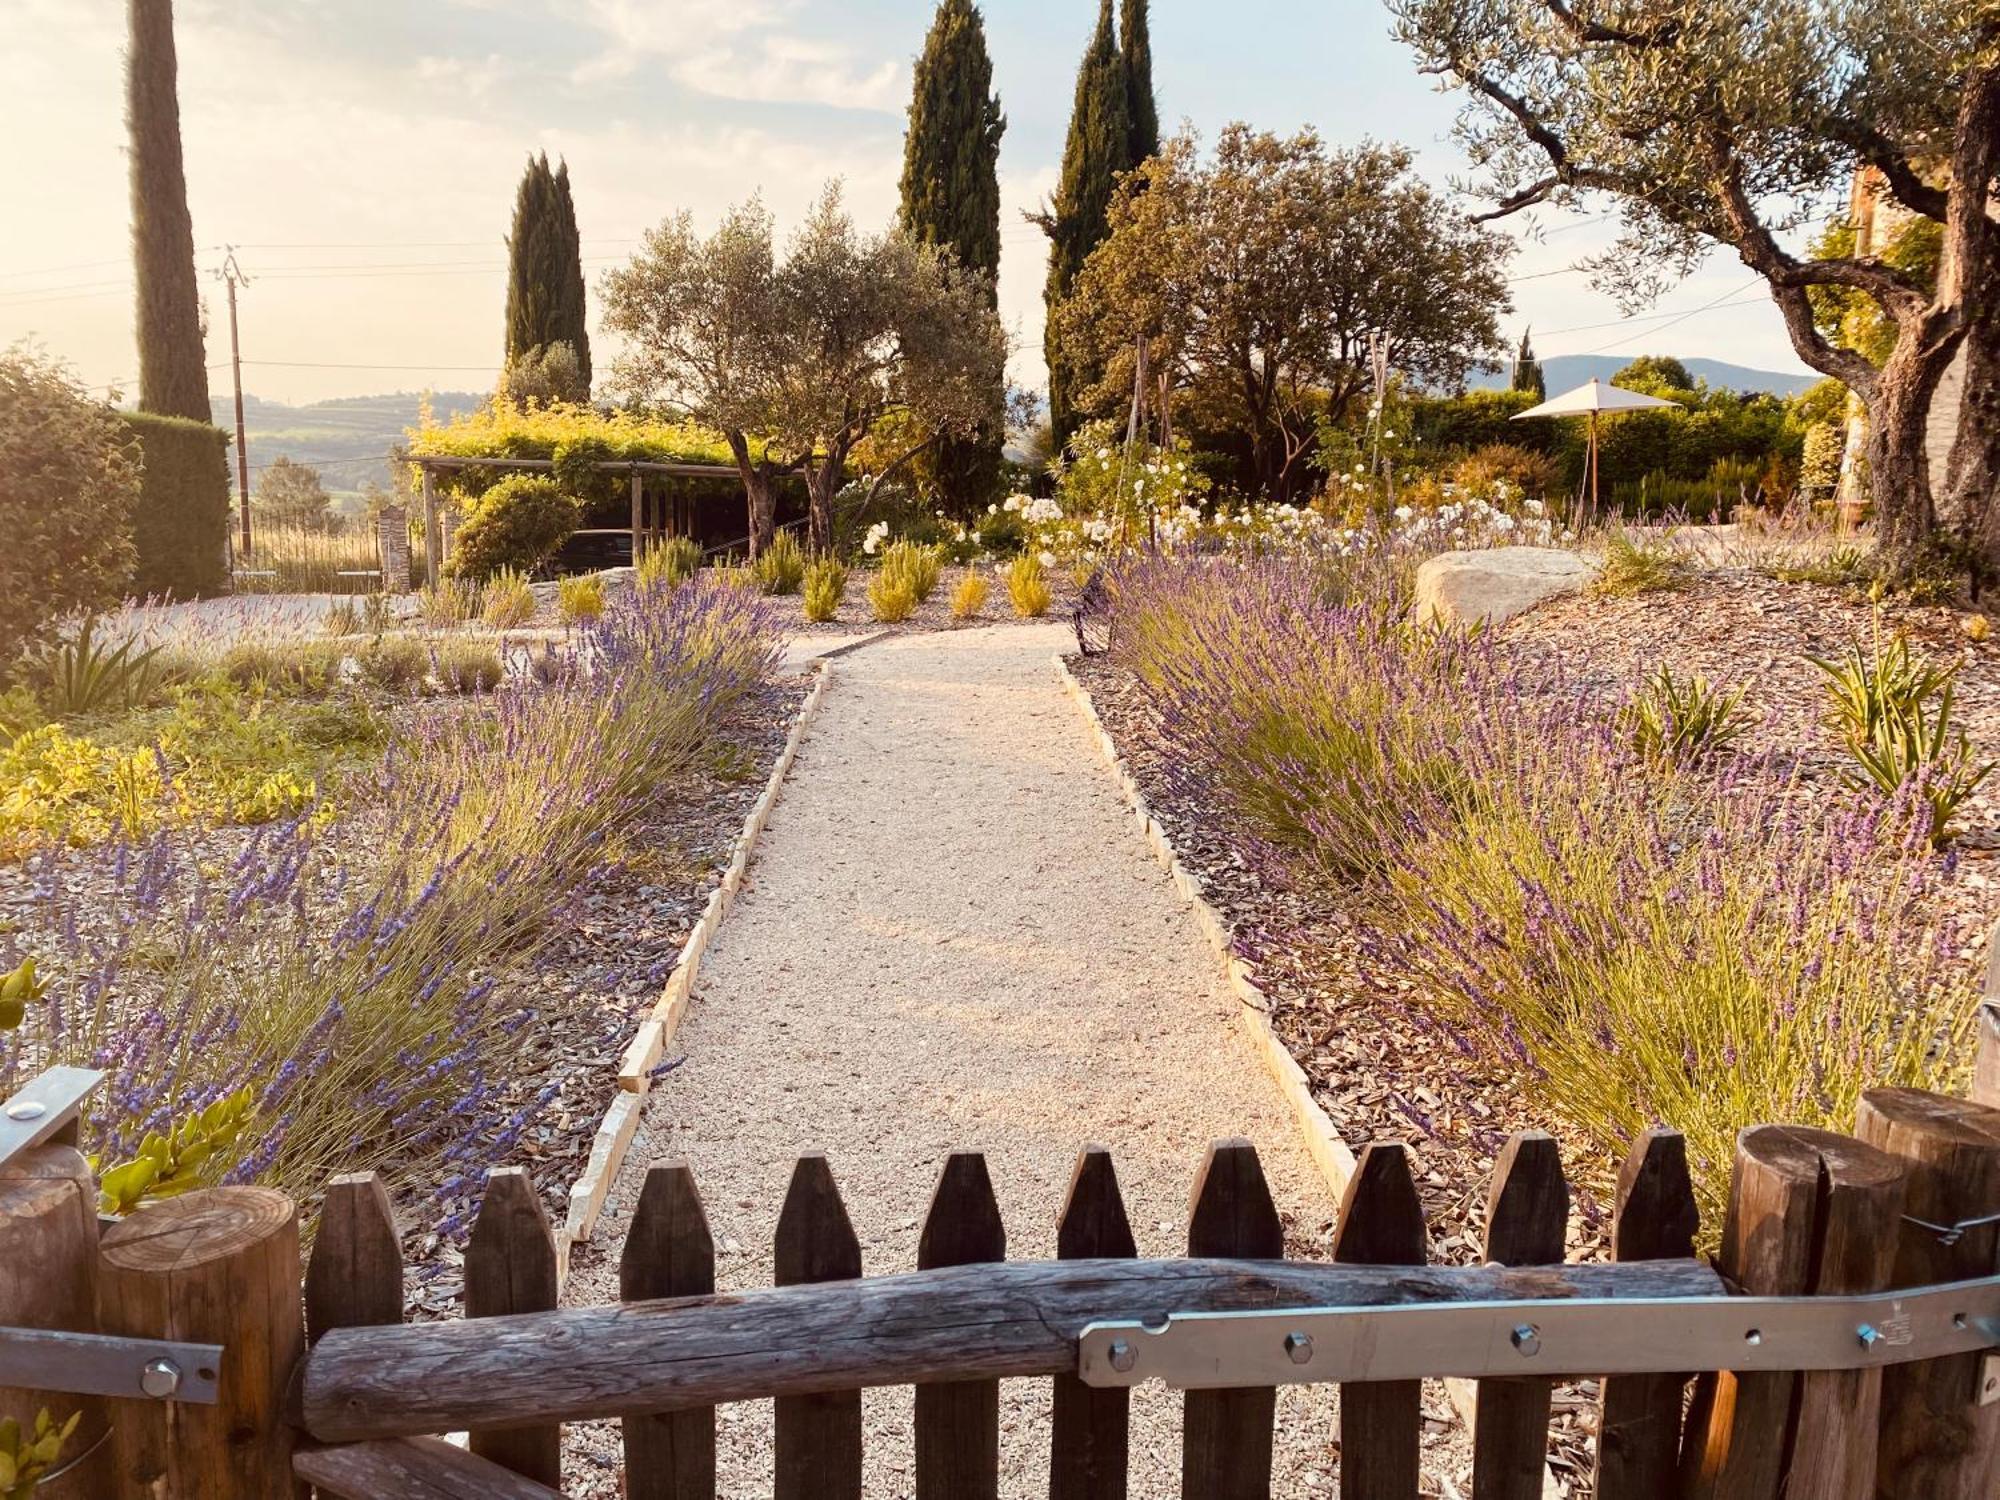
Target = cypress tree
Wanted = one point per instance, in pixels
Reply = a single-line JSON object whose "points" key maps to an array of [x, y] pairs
{"points": [[1093, 155], [545, 301], [951, 195], [173, 374], [1528, 371], [1142, 115]]}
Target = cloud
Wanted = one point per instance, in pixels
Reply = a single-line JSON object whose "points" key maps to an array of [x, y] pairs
{"points": [[748, 50]]}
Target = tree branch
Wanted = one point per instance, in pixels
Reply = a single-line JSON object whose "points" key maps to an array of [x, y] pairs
{"points": [[1596, 32]]}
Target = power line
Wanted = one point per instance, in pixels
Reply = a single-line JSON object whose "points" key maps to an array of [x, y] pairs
{"points": [[307, 364], [1654, 317]]}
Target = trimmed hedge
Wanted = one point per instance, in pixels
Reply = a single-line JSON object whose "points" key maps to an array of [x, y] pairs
{"points": [[180, 524]]}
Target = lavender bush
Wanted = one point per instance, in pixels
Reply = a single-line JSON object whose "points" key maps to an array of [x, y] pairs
{"points": [[362, 996], [1706, 945]]}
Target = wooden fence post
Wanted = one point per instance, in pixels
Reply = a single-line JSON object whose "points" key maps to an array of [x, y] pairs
{"points": [[958, 1422], [669, 1252], [1527, 1224], [1226, 1434], [1938, 1441], [355, 1276], [218, 1266], [48, 1279], [1381, 1223], [817, 1438], [1090, 1426], [433, 530], [1811, 1213], [1639, 1416], [510, 1267]]}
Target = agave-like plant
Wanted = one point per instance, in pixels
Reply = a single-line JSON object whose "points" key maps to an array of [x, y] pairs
{"points": [[84, 673]]}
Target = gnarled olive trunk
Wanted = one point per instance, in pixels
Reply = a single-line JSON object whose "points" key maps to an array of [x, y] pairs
{"points": [[760, 497], [1899, 477]]}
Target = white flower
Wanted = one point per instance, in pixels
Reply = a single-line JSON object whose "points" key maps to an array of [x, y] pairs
{"points": [[1048, 559], [1403, 513]]}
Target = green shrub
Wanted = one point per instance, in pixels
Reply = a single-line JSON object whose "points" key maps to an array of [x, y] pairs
{"points": [[180, 521], [969, 598], [781, 567], [69, 478], [1028, 587], [449, 602], [825, 587], [1636, 565], [1684, 719], [465, 665], [510, 602], [518, 523], [893, 596], [394, 663], [668, 564], [918, 564], [580, 598], [1892, 708], [1843, 563]]}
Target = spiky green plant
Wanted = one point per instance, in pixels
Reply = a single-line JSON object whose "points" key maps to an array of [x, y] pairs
{"points": [[1684, 719]]}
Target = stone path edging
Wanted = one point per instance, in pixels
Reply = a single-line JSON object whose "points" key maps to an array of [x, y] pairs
{"points": [[1329, 1153], [643, 1053]]}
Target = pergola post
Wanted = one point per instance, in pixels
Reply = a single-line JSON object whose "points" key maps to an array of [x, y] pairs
{"points": [[433, 531], [638, 515]]}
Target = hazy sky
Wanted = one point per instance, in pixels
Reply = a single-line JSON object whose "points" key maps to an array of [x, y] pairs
{"points": [[362, 155]]}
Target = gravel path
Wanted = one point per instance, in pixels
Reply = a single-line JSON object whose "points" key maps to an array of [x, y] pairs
{"points": [[952, 936]]}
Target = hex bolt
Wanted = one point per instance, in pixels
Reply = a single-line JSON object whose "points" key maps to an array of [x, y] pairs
{"points": [[1527, 1339], [160, 1378], [1123, 1356], [1868, 1335], [1299, 1346]]}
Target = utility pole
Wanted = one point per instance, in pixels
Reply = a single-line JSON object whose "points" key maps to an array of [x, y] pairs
{"points": [[233, 275]]}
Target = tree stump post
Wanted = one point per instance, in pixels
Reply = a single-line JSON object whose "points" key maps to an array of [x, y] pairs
{"points": [[219, 1266], [1810, 1214], [48, 1279], [1938, 1442]]}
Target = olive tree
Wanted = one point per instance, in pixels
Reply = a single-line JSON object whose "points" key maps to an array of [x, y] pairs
{"points": [[1262, 279], [69, 477], [1737, 124], [797, 359]]}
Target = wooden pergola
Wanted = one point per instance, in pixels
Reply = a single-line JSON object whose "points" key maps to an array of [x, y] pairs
{"points": [[649, 522]]}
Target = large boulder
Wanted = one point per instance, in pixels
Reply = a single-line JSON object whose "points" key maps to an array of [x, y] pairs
{"points": [[1496, 584]]}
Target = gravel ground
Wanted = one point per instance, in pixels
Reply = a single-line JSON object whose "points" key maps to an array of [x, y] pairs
{"points": [[952, 936]]}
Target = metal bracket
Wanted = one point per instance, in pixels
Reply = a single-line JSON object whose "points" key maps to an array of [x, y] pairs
{"points": [[45, 1110], [100, 1364], [1584, 1336]]}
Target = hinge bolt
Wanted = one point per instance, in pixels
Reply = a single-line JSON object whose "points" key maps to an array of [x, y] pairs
{"points": [[1123, 1356], [160, 1378], [1528, 1339], [1868, 1335], [1299, 1346]]}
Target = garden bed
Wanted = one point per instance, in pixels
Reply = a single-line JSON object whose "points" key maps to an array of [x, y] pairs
{"points": [[1348, 1018]]}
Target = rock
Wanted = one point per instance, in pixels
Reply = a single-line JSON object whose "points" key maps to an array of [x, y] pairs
{"points": [[1495, 584]]}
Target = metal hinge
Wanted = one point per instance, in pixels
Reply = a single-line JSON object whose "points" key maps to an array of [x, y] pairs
{"points": [[1599, 1336]]}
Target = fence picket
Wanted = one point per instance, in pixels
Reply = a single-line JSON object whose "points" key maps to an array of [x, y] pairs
{"points": [[510, 1267], [1226, 1434], [1527, 1218], [1090, 1425], [669, 1252], [355, 1276], [1809, 1215], [958, 1423], [1381, 1223], [818, 1438], [1639, 1417], [1938, 1441]]}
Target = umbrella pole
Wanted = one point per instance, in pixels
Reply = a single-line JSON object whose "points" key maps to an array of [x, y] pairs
{"points": [[1593, 466]]}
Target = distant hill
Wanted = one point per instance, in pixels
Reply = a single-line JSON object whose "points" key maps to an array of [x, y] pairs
{"points": [[347, 440], [1563, 372]]}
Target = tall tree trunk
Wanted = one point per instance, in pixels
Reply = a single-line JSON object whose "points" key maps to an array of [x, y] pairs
{"points": [[1972, 475], [759, 496], [1898, 470]]}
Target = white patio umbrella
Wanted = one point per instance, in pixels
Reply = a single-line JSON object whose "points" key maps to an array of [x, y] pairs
{"points": [[1587, 400]]}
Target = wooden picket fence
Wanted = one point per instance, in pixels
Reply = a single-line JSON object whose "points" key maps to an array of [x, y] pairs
{"points": [[333, 1388]]}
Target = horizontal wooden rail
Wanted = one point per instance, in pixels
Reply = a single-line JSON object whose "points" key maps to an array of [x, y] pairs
{"points": [[975, 1322], [608, 465]]}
